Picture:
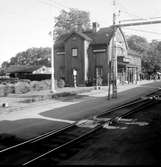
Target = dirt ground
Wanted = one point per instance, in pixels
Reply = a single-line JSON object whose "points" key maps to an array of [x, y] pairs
{"points": [[135, 145], [118, 146]]}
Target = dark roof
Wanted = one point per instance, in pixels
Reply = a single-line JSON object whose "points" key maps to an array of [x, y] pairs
{"points": [[59, 43], [21, 68], [81, 34], [102, 36]]}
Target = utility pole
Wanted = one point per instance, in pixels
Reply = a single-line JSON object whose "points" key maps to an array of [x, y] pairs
{"points": [[52, 54], [112, 63], [52, 63], [109, 76]]}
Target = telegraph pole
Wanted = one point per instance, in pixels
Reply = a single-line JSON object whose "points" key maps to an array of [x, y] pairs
{"points": [[52, 54], [109, 76], [52, 63], [113, 62], [114, 57]]}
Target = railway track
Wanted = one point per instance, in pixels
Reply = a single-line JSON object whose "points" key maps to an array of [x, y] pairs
{"points": [[59, 144], [35, 149]]}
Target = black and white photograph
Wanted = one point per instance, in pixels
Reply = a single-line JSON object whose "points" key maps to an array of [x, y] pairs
{"points": [[80, 82]]}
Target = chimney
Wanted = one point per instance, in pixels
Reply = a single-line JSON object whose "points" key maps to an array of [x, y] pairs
{"points": [[94, 27]]}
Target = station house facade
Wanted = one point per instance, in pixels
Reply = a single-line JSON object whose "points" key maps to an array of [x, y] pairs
{"points": [[87, 53]]}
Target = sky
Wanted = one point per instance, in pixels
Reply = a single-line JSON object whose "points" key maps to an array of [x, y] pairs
{"points": [[26, 23]]}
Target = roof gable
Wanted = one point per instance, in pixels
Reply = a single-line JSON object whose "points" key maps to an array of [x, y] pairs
{"points": [[103, 36]]}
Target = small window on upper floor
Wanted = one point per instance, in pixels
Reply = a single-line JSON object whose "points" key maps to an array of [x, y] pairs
{"points": [[74, 52]]}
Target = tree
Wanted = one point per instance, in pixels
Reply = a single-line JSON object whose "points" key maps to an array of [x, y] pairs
{"points": [[32, 56], [150, 53], [154, 55], [4, 65], [72, 20], [2, 72], [137, 43], [151, 62]]}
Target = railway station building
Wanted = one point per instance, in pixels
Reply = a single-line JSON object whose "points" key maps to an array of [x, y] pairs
{"points": [[88, 52]]}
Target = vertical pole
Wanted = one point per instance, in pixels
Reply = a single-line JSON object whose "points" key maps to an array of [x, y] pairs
{"points": [[114, 57], [115, 70], [96, 78], [52, 64], [52, 53], [109, 79], [110, 58]]}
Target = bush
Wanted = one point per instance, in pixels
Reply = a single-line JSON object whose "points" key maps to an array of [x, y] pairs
{"points": [[25, 80], [35, 86], [11, 88], [47, 84], [3, 90], [22, 87], [39, 85]]}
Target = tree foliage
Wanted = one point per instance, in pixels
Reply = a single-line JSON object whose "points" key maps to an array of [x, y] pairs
{"points": [[32, 56], [72, 20], [153, 57], [150, 53], [137, 43], [65, 22]]}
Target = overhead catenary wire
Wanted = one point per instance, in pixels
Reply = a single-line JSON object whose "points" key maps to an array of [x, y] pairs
{"points": [[146, 31], [60, 4], [123, 9], [131, 14], [50, 4], [56, 4], [15, 14]]}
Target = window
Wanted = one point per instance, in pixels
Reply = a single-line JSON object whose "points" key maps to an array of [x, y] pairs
{"points": [[74, 52]]}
